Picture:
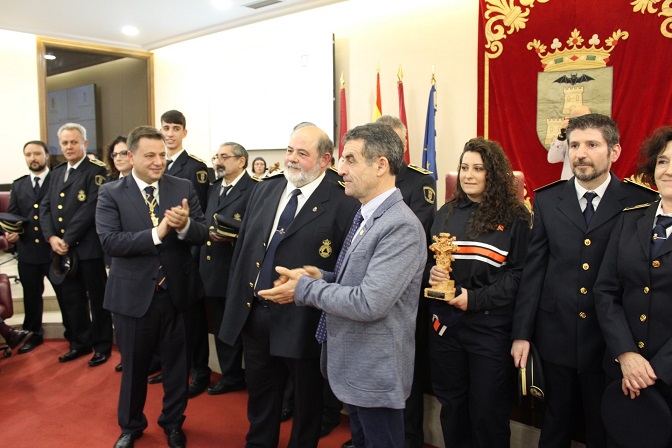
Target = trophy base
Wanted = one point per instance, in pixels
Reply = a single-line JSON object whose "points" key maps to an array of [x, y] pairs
{"points": [[444, 291]]}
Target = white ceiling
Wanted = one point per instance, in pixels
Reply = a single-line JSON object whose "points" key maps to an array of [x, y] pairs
{"points": [[161, 22]]}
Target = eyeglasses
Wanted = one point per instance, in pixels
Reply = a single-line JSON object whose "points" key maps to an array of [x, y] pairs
{"points": [[222, 157], [123, 153]]}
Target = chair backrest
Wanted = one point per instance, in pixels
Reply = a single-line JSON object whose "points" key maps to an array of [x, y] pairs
{"points": [[4, 201], [6, 304], [451, 184]]}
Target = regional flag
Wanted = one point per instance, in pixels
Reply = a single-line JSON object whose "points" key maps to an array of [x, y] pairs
{"points": [[402, 114], [343, 122], [378, 107], [429, 146]]}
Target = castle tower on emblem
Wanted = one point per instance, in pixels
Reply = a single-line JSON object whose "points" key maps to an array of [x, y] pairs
{"points": [[573, 98]]}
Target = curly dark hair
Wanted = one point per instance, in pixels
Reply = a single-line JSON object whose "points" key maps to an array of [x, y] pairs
{"points": [[500, 204], [649, 152], [114, 172]]}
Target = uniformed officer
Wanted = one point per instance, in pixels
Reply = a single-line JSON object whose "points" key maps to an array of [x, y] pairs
{"points": [[34, 253], [227, 199], [67, 218]]}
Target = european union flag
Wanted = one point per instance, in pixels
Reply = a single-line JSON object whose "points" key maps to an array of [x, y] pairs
{"points": [[429, 146]]}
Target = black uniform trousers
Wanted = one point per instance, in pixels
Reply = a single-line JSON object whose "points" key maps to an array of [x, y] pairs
{"points": [[230, 358], [564, 386], [472, 377], [86, 288], [266, 376], [161, 330], [199, 343], [32, 280]]}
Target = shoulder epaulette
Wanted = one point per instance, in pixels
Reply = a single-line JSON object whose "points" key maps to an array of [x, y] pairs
{"points": [[98, 162], [195, 158], [557, 182], [419, 169], [275, 175], [255, 179], [637, 184], [635, 207], [341, 183], [18, 179], [333, 169]]}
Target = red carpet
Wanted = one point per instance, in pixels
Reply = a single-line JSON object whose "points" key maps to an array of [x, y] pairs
{"points": [[60, 405]]}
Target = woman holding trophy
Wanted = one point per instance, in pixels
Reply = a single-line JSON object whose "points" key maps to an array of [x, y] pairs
{"points": [[470, 340]]}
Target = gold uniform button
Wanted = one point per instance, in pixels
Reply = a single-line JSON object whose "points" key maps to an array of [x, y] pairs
{"points": [[35, 205], [655, 264], [264, 244], [36, 217], [586, 266], [251, 285], [208, 258], [642, 318], [37, 240], [209, 243], [646, 290], [62, 230], [249, 305], [582, 315], [37, 229], [62, 195], [257, 264], [60, 219], [587, 242], [640, 344], [583, 291], [60, 207]]}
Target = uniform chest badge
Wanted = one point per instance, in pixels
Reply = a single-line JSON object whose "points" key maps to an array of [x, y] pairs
{"points": [[326, 249], [81, 196], [237, 217]]}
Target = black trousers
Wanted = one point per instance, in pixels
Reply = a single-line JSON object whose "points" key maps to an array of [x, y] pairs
{"points": [[472, 377], [266, 376], [376, 427], [199, 343], [161, 330], [564, 387], [82, 296], [32, 280]]}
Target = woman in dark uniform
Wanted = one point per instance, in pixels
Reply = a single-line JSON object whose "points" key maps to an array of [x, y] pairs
{"points": [[472, 374]]}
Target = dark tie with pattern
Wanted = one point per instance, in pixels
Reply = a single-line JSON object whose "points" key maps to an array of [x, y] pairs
{"points": [[589, 210], [286, 218], [321, 333], [659, 234], [150, 199], [36, 187]]}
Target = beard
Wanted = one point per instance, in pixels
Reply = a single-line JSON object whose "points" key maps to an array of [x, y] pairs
{"points": [[220, 171], [302, 177], [586, 173], [37, 167]]}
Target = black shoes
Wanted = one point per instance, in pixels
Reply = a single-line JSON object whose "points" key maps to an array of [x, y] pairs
{"points": [[156, 379], [74, 354], [176, 438], [127, 440], [17, 338], [196, 388], [221, 388], [30, 345], [99, 358], [117, 368], [286, 414], [328, 425], [348, 444]]}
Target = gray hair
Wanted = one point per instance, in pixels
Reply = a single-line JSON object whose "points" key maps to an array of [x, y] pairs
{"points": [[380, 140], [393, 122], [602, 123], [72, 127], [238, 150]]}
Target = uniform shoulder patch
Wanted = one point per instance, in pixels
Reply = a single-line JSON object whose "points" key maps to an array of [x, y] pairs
{"points": [[195, 158], [419, 169], [202, 176], [429, 194], [557, 182], [98, 162], [634, 183], [636, 207]]}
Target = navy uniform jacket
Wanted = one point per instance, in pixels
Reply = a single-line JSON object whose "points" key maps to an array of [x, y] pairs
{"points": [[314, 238], [418, 189], [68, 209], [555, 306], [215, 260], [633, 295], [125, 230], [32, 247], [193, 169]]}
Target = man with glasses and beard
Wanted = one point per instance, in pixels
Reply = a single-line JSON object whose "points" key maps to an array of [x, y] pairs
{"points": [[297, 219]]}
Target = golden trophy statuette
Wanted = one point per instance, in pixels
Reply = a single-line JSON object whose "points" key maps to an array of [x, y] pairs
{"points": [[443, 248]]}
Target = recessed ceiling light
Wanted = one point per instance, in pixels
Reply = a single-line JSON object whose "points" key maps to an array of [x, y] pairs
{"points": [[222, 4], [130, 30], [49, 57]]}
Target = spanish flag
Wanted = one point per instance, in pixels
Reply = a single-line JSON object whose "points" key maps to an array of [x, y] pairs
{"points": [[378, 107]]}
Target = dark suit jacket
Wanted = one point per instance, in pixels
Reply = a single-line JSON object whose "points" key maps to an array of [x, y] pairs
{"points": [[32, 248], [125, 230], [321, 224], [68, 209], [418, 189], [194, 170], [633, 295], [215, 260], [555, 306]]}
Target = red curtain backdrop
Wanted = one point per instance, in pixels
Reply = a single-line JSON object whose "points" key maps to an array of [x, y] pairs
{"points": [[510, 63]]}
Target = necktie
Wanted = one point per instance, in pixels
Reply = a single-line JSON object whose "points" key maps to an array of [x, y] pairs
{"points": [[266, 271], [152, 203], [36, 187], [321, 333], [169, 162], [68, 174], [223, 192], [659, 234], [589, 210]]}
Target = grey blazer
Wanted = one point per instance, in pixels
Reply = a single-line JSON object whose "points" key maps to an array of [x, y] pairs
{"points": [[371, 309]]}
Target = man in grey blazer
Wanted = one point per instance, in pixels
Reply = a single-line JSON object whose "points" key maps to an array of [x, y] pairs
{"points": [[370, 301]]}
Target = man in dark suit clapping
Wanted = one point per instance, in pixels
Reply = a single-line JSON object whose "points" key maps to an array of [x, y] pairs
{"points": [[147, 223]]}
